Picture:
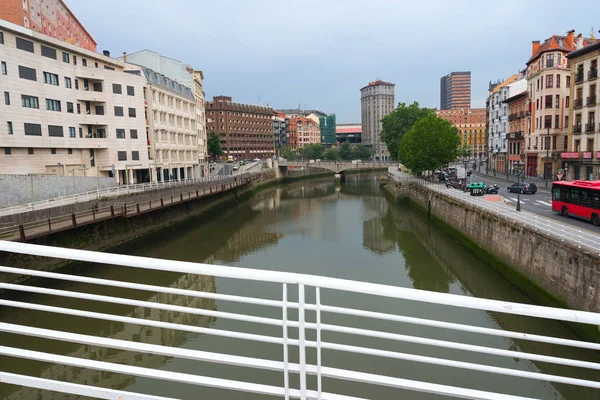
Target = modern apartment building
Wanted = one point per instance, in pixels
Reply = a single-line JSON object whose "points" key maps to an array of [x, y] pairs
{"points": [[549, 85], [519, 125], [281, 131], [376, 101], [470, 123], [245, 130], [172, 135], [68, 110], [583, 156], [327, 128], [455, 90], [50, 17]]}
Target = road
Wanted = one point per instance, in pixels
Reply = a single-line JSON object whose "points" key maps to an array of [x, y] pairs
{"points": [[539, 203]]}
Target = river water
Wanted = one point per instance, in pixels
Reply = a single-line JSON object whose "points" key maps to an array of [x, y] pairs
{"points": [[346, 230]]}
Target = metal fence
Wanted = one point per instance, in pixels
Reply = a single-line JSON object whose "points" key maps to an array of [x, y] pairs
{"points": [[565, 232], [304, 285]]}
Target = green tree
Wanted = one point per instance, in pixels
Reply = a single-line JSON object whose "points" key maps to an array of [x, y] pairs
{"points": [[214, 145], [313, 151], [286, 152], [464, 151], [361, 152], [431, 142], [397, 123], [345, 151], [332, 154]]}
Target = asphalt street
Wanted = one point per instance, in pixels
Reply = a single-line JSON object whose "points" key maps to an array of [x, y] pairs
{"points": [[539, 203]]}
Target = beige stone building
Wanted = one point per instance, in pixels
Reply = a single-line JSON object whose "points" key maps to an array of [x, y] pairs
{"points": [[376, 101], [583, 156], [172, 135], [201, 122], [67, 110]]}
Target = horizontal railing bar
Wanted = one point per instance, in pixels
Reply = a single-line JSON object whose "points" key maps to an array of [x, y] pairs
{"points": [[144, 287], [309, 280], [456, 364], [147, 322], [418, 386], [140, 303], [457, 327], [455, 345], [73, 388]]}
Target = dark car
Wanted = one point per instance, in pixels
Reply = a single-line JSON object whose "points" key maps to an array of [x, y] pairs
{"points": [[522, 187]]}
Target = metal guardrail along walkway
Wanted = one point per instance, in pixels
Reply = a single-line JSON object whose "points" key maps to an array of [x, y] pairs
{"points": [[305, 284]]}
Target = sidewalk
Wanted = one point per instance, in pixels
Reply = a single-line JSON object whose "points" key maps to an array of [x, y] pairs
{"points": [[511, 178]]}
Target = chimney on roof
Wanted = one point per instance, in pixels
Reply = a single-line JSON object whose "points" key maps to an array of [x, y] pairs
{"points": [[535, 46], [579, 43], [106, 53], [571, 38], [124, 57]]}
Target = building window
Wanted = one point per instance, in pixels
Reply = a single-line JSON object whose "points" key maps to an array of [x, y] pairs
{"points": [[30, 151], [135, 155], [69, 107], [9, 127], [74, 60], [117, 88], [29, 101], [122, 155], [130, 91], [557, 121], [48, 52], [548, 101], [4, 70], [68, 82], [549, 61], [25, 45], [7, 151], [567, 102], [568, 78], [118, 111], [51, 79], [96, 65], [76, 84], [132, 112], [55, 131], [549, 81], [53, 150], [120, 133], [65, 57], [133, 133], [97, 86], [99, 110], [7, 98], [557, 80], [33, 129], [84, 62], [548, 121], [52, 105], [27, 73], [1, 37], [70, 151], [71, 133], [109, 68]]}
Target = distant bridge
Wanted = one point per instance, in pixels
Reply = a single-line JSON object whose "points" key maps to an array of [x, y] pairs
{"points": [[339, 166]]}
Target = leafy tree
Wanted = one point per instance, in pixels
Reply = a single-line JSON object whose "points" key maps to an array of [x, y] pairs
{"points": [[464, 151], [214, 145], [361, 152], [431, 142], [397, 123], [345, 151], [287, 152], [332, 154], [313, 151]]}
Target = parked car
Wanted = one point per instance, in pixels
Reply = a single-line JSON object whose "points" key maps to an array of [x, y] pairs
{"points": [[522, 187]]}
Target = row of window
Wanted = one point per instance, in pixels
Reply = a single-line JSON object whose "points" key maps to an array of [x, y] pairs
{"points": [[58, 131], [30, 151]]}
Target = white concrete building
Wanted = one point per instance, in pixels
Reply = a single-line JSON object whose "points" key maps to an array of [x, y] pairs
{"points": [[174, 69], [68, 110], [201, 122], [376, 101]]}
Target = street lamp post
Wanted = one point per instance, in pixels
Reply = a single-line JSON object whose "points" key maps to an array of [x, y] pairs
{"points": [[521, 170], [494, 166], [547, 156]]}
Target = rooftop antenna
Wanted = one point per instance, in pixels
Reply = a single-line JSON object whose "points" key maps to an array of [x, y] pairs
{"points": [[592, 33]]}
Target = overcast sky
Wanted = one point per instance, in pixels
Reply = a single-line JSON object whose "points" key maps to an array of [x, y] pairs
{"points": [[319, 53]]}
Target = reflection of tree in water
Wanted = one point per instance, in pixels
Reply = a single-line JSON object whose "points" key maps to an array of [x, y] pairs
{"points": [[374, 235], [308, 190], [361, 185]]}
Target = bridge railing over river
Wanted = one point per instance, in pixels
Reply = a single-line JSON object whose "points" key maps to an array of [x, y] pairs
{"points": [[306, 286]]}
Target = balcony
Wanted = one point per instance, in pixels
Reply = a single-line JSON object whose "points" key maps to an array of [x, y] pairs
{"points": [[592, 73], [591, 101], [522, 114], [577, 128], [590, 127], [512, 117], [579, 77], [578, 103]]}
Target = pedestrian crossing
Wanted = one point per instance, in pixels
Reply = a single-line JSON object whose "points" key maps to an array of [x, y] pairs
{"points": [[529, 201]]}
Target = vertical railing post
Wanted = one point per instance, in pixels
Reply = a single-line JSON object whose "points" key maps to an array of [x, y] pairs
{"points": [[318, 312], [284, 318], [301, 341]]}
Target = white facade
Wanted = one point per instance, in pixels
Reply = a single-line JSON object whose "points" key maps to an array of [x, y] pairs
{"points": [[498, 116], [201, 122], [377, 101], [68, 111], [176, 70]]}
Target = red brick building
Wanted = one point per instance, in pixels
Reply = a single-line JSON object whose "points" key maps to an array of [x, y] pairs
{"points": [[245, 130], [519, 125], [50, 17]]}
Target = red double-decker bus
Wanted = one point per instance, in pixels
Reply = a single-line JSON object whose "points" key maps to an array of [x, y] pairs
{"points": [[579, 199]]}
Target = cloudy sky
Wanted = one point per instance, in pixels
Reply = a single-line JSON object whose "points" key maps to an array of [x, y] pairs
{"points": [[319, 53]]}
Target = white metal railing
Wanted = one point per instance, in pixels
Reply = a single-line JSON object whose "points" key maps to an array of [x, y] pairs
{"points": [[110, 192], [304, 284], [564, 232]]}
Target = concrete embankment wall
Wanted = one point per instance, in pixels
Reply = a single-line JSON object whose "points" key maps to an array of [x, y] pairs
{"points": [[549, 270], [21, 189]]}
